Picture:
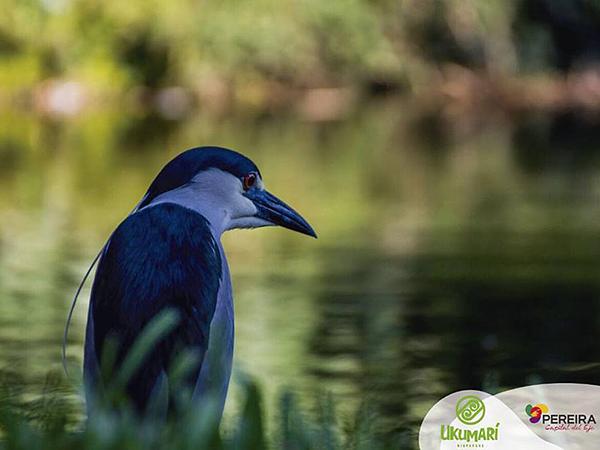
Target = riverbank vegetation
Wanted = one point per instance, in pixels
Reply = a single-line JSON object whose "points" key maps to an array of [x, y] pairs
{"points": [[319, 58]]}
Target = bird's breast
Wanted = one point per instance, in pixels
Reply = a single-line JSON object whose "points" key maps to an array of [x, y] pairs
{"points": [[216, 368]]}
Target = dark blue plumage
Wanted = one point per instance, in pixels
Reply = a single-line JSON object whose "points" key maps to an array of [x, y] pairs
{"points": [[160, 257], [181, 169]]}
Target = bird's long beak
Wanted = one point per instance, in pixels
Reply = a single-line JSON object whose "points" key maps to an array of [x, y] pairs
{"points": [[275, 211]]}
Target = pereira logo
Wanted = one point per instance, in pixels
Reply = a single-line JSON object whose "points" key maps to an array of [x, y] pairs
{"points": [[535, 412], [577, 421]]}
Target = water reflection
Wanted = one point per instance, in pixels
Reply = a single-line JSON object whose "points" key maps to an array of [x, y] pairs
{"points": [[446, 260]]}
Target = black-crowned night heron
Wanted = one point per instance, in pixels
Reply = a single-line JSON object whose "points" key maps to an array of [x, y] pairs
{"points": [[167, 254]]}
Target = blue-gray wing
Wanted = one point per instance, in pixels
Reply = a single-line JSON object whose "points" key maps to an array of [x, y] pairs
{"points": [[163, 256]]}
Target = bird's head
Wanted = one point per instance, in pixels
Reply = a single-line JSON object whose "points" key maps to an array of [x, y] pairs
{"points": [[226, 187]]}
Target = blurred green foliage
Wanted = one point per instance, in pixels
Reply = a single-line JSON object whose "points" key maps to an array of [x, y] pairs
{"points": [[152, 43], [52, 428], [115, 44], [114, 424]]}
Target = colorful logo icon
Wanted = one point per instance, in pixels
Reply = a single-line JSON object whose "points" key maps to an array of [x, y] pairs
{"points": [[470, 410], [535, 412]]}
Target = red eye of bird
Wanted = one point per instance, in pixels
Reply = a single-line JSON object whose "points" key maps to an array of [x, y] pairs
{"points": [[249, 180]]}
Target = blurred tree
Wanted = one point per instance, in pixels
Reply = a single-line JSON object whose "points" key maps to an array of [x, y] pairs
{"points": [[570, 32]]}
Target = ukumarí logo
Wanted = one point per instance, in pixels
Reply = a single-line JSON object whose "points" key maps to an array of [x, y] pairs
{"points": [[470, 410], [560, 422]]}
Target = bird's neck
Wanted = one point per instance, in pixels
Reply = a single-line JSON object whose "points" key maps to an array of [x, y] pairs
{"points": [[192, 198]]}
